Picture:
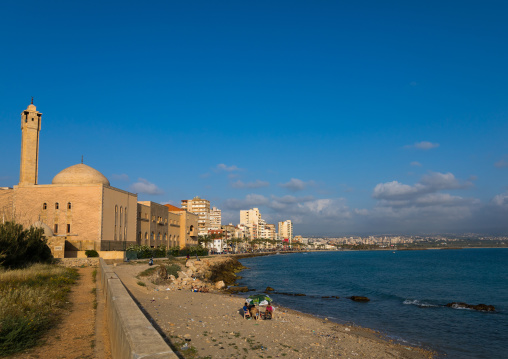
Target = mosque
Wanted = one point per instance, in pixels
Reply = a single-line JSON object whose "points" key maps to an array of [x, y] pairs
{"points": [[80, 210]]}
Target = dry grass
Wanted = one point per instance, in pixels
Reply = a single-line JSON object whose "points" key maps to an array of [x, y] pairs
{"points": [[30, 300]]}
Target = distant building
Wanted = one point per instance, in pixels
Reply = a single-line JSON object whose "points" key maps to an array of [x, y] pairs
{"points": [[286, 231], [252, 219], [202, 208], [215, 218], [187, 225]]}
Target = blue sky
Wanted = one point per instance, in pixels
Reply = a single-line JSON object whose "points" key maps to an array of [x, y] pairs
{"points": [[345, 117]]}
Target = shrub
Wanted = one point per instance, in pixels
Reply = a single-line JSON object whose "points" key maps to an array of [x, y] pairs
{"points": [[159, 252], [173, 269], [141, 251], [21, 247], [91, 253]]}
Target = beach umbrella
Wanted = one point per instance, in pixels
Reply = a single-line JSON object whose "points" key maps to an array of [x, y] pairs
{"points": [[259, 299]]}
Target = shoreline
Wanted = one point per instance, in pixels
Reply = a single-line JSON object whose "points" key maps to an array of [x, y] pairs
{"points": [[211, 325]]}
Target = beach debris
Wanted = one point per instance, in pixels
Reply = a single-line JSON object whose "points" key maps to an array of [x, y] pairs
{"points": [[358, 298], [479, 307]]}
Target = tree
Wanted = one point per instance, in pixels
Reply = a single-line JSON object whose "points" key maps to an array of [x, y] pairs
{"points": [[205, 240], [21, 247]]}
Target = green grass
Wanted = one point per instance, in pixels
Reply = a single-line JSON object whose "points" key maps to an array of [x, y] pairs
{"points": [[30, 302], [141, 283]]}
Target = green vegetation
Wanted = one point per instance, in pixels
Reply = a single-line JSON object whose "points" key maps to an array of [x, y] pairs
{"points": [[91, 253], [142, 284], [30, 302], [20, 247]]}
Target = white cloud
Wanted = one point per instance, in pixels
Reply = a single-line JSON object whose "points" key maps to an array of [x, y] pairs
{"points": [[416, 164], [120, 177], [423, 145], [145, 187], [296, 184], [251, 200], [223, 167], [257, 184], [430, 183], [501, 200], [502, 163]]}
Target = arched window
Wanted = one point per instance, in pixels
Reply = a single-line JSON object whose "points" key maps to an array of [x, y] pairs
{"points": [[57, 205], [116, 215], [153, 235], [146, 235], [191, 228], [44, 206], [121, 215], [69, 205], [125, 221]]}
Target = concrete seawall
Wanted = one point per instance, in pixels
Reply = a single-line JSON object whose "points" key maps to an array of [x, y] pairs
{"points": [[131, 334]]}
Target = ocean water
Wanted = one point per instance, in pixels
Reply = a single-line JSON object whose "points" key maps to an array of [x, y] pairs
{"points": [[408, 291]]}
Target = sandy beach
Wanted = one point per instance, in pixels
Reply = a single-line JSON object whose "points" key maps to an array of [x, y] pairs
{"points": [[211, 325]]}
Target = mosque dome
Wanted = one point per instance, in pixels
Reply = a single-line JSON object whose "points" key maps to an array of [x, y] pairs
{"points": [[80, 174], [47, 231]]}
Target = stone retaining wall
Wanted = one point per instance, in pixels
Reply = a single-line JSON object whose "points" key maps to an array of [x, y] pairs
{"points": [[78, 262], [131, 334]]}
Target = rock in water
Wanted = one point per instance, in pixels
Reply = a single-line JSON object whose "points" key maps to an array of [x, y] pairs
{"points": [[358, 298], [269, 289], [479, 307]]}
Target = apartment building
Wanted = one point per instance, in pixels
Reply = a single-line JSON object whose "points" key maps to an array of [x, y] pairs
{"points": [[215, 218], [252, 218], [286, 231], [202, 208]]}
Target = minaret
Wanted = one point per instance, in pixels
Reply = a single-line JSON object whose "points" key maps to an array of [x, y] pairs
{"points": [[30, 127]]}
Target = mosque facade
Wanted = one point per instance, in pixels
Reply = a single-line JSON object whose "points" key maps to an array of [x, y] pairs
{"points": [[80, 210]]}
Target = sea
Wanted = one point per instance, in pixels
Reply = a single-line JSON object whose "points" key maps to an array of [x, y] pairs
{"points": [[408, 292]]}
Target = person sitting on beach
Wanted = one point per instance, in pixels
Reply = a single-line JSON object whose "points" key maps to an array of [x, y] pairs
{"points": [[269, 312], [254, 312], [246, 311]]}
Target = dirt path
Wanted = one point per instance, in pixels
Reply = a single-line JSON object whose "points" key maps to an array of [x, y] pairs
{"points": [[78, 335]]}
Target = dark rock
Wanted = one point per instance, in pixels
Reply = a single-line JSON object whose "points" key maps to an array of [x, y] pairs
{"points": [[479, 307], [325, 297], [358, 298], [300, 295], [225, 271], [335, 296], [237, 289], [269, 289]]}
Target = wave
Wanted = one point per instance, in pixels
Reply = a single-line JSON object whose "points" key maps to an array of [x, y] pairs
{"points": [[420, 304]]}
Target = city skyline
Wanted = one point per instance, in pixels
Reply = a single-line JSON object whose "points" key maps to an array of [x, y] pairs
{"points": [[343, 118]]}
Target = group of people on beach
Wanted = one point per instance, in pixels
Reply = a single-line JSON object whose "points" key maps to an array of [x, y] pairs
{"points": [[251, 311]]}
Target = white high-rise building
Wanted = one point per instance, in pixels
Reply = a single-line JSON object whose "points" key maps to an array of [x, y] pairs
{"points": [[286, 231], [202, 208], [251, 218], [215, 218]]}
